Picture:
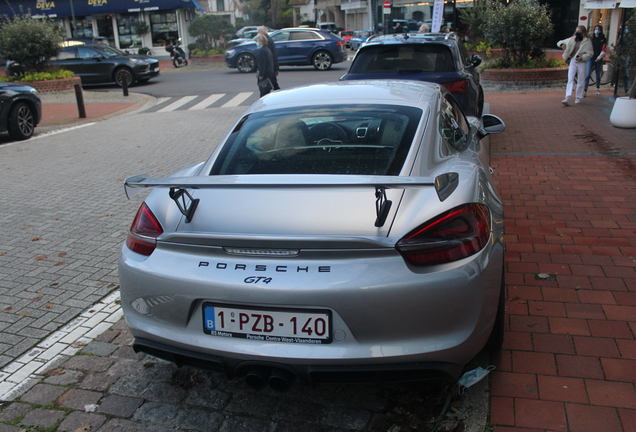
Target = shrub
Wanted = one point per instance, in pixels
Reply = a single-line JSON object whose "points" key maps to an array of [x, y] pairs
{"points": [[530, 64], [40, 76], [519, 28], [30, 42], [210, 29], [143, 51]]}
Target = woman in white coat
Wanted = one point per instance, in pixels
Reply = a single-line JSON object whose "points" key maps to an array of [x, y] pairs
{"points": [[577, 50]]}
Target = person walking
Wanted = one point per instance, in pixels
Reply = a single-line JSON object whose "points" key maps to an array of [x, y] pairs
{"points": [[264, 66], [262, 30], [577, 50], [599, 45]]}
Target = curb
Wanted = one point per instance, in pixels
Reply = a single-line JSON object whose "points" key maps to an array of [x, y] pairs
{"points": [[144, 101]]}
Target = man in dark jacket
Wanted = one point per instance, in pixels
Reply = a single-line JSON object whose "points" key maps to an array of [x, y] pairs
{"points": [[262, 30]]}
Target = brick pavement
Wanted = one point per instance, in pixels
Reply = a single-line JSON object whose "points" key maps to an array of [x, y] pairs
{"points": [[568, 181]]}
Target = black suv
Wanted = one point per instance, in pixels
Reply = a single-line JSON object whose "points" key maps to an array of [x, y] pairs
{"points": [[433, 57]]}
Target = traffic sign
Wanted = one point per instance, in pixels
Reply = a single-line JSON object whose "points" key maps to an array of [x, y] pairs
{"points": [[387, 7]]}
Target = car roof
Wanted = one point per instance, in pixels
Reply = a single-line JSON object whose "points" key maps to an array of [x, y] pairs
{"points": [[412, 38], [406, 93]]}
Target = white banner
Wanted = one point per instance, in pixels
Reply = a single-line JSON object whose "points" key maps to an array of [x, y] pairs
{"points": [[438, 15]]}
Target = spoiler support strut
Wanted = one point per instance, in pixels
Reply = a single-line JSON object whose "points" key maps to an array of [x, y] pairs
{"points": [[187, 208]]}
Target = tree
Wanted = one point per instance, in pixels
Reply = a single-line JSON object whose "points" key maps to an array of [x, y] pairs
{"points": [[211, 28], [624, 56], [475, 17], [518, 27], [30, 42]]}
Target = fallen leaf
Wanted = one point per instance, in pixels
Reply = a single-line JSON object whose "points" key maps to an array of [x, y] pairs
{"points": [[24, 313], [84, 429], [36, 238], [7, 310], [59, 263], [100, 283], [62, 254], [54, 372], [40, 257], [34, 299], [2, 253], [54, 284], [49, 305], [515, 298]]}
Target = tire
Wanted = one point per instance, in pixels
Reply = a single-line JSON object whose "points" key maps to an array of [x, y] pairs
{"points": [[246, 63], [127, 74], [322, 60], [495, 341], [21, 122]]}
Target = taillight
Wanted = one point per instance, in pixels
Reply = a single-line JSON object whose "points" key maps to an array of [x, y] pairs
{"points": [[460, 86], [340, 44], [142, 237], [453, 235]]}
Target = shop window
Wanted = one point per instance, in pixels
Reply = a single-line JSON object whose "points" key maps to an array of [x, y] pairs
{"points": [[163, 28], [105, 28], [220, 5], [83, 28], [127, 31]]}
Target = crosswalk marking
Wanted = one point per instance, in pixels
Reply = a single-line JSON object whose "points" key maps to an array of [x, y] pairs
{"points": [[236, 100], [173, 106], [207, 101], [200, 102]]}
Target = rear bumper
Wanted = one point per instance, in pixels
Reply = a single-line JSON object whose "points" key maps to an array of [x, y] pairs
{"points": [[312, 374]]}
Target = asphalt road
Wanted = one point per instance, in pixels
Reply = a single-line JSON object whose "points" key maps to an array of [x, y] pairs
{"points": [[182, 82]]}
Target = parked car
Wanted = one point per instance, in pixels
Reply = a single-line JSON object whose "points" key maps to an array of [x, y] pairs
{"points": [[20, 110], [346, 35], [359, 37], [245, 37], [341, 232], [433, 57], [328, 26], [294, 47], [97, 63]]}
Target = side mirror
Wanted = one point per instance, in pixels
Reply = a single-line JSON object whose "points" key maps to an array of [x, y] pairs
{"points": [[97, 57], [475, 60], [490, 124]]}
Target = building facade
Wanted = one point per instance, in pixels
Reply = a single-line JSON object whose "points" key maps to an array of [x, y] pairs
{"points": [[115, 21]]}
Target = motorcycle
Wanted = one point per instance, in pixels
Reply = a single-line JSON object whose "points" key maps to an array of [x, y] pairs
{"points": [[176, 54]]}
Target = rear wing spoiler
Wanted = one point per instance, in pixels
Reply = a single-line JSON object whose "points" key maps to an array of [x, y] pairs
{"points": [[178, 186]]}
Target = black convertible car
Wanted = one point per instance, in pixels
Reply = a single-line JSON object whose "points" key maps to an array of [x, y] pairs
{"points": [[20, 110], [98, 63]]}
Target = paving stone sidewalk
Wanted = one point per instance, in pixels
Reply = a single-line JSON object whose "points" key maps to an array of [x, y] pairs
{"points": [[107, 387], [568, 181]]}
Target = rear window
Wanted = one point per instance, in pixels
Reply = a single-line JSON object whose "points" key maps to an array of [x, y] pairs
{"points": [[365, 140], [383, 59]]}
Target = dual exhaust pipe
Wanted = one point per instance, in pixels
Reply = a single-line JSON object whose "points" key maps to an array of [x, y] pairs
{"points": [[277, 379]]}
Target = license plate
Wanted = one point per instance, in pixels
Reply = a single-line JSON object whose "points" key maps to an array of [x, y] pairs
{"points": [[272, 325]]}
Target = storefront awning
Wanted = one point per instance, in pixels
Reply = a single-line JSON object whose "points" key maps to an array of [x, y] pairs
{"points": [[600, 4], [628, 4], [62, 8]]}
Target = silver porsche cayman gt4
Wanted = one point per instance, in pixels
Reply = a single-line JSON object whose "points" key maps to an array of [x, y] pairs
{"points": [[340, 232]]}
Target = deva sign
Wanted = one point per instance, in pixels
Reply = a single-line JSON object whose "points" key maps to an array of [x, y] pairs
{"points": [[44, 5], [97, 2]]}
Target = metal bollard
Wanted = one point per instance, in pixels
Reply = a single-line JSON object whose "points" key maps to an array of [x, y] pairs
{"points": [[124, 82], [79, 95]]}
